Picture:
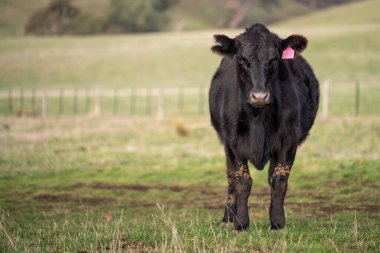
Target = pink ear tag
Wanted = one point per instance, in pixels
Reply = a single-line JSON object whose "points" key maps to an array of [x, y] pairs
{"points": [[288, 53]]}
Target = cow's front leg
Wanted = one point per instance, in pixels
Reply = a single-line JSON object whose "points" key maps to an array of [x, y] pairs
{"points": [[231, 205], [278, 180], [242, 183]]}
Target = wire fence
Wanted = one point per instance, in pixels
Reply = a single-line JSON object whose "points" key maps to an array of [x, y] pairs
{"points": [[160, 102], [337, 99], [358, 98]]}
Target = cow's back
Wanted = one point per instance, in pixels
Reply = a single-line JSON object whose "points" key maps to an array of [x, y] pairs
{"points": [[307, 88]]}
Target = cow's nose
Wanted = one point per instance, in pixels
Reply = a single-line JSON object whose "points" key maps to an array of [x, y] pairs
{"points": [[259, 98]]}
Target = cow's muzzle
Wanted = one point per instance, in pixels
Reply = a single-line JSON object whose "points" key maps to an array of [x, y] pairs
{"points": [[258, 99]]}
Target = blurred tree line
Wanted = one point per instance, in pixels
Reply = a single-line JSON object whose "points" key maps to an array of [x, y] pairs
{"points": [[241, 9], [123, 16], [133, 16]]}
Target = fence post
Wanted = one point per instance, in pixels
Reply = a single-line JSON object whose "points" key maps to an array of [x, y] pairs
{"points": [[10, 101], [44, 104], [87, 101], [160, 103], [33, 102], [115, 101], [97, 109], [75, 102], [357, 98], [325, 99], [148, 101], [180, 99], [21, 101], [61, 97], [132, 101]]}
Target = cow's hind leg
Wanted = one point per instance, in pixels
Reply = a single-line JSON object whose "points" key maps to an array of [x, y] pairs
{"points": [[278, 181]]}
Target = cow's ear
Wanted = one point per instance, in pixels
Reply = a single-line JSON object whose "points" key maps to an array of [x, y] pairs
{"points": [[297, 42], [226, 46]]}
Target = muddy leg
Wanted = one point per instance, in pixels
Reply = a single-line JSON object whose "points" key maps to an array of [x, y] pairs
{"points": [[278, 180], [239, 188], [231, 207], [242, 183]]}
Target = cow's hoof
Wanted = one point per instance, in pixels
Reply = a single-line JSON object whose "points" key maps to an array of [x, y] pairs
{"points": [[277, 226], [236, 231], [226, 224], [239, 229]]}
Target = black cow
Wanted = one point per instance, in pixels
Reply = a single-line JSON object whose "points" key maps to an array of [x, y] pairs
{"points": [[263, 101]]}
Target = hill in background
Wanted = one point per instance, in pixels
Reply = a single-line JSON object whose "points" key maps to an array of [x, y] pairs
{"points": [[340, 48], [182, 14]]}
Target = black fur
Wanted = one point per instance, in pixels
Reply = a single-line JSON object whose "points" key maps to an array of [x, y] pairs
{"points": [[273, 131]]}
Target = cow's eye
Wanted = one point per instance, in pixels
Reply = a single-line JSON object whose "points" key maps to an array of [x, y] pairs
{"points": [[270, 65]]}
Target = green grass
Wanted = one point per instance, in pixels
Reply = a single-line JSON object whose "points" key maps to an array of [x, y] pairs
{"points": [[352, 14], [117, 61], [131, 183], [170, 59], [60, 178]]}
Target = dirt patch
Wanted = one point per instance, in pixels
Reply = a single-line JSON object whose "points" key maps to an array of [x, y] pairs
{"points": [[174, 188], [138, 187], [93, 201], [320, 209], [212, 197], [311, 209], [78, 186], [134, 187], [135, 203]]}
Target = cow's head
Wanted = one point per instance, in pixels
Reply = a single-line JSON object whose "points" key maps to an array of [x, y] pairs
{"points": [[257, 53]]}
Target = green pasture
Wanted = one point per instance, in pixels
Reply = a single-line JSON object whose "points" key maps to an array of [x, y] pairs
{"points": [[170, 59], [338, 50], [130, 182], [95, 183]]}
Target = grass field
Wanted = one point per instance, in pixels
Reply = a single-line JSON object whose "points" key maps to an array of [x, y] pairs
{"points": [[134, 183], [88, 184], [340, 51], [137, 60]]}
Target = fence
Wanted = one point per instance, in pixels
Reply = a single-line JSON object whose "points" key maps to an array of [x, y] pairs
{"points": [[349, 98], [163, 101], [337, 98]]}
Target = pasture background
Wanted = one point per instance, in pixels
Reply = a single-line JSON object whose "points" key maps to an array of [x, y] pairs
{"points": [[106, 183], [184, 14]]}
